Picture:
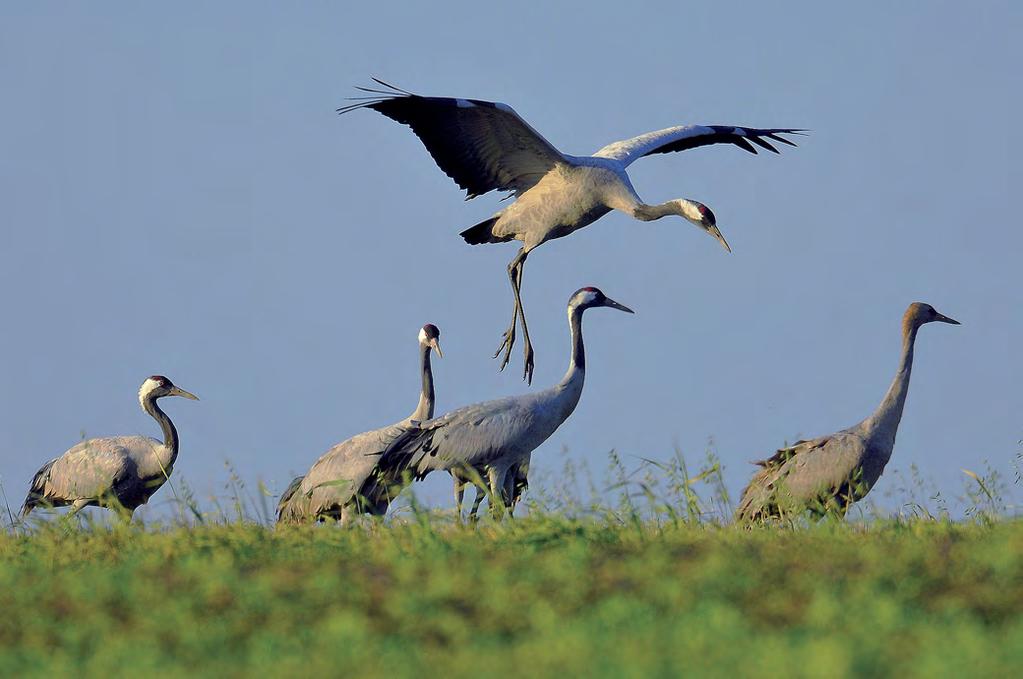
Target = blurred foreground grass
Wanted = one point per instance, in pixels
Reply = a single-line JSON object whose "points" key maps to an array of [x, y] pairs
{"points": [[540, 596]]}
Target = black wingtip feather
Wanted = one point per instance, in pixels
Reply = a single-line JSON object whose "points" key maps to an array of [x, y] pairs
{"points": [[390, 86], [762, 144], [744, 145]]}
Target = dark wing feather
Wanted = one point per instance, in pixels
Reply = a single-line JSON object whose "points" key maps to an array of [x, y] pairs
{"points": [[685, 137], [482, 145]]}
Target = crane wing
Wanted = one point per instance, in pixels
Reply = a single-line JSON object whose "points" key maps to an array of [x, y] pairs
{"points": [[802, 474], [470, 436], [684, 137], [482, 145]]}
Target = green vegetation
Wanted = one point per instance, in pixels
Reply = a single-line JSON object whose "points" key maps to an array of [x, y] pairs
{"points": [[645, 578], [538, 596]]}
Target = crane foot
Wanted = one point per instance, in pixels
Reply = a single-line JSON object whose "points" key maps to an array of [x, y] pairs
{"points": [[527, 368], [506, 346]]}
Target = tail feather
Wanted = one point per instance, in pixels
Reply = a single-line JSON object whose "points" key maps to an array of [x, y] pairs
{"points": [[756, 499], [37, 489], [287, 496], [481, 233]]}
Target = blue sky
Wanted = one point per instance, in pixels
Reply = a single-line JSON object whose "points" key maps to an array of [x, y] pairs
{"points": [[180, 198]]}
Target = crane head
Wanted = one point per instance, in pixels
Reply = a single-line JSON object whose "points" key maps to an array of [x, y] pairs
{"points": [[919, 313], [429, 336], [702, 216], [158, 386], [589, 297]]}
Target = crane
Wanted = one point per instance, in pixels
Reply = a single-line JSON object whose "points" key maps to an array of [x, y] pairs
{"points": [[486, 146], [831, 472], [117, 472], [499, 436], [345, 480]]}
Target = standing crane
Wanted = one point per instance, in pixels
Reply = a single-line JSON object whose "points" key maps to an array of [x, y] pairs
{"points": [[831, 472], [117, 472], [499, 436], [345, 480], [486, 146]]}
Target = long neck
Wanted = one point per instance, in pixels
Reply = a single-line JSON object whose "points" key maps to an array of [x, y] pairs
{"points": [[884, 423], [424, 411], [170, 434], [648, 213], [577, 364]]}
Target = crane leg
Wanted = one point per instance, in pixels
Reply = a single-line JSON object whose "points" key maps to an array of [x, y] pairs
{"points": [[497, 503], [459, 494], [77, 506], [515, 269], [480, 492]]}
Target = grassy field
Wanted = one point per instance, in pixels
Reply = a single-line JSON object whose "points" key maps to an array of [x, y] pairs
{"points": [[539, 596]]}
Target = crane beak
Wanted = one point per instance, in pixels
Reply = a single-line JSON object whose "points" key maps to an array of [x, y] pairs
{"points": [[713, 230], [435, 345], [942, 318], [178, 391], [615, 305]]}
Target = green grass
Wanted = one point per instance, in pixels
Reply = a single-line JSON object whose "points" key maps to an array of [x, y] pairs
{"points": [[541, 596]]}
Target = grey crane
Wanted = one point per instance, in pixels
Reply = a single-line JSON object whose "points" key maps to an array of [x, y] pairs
{"points": [[345, 480], [486, 146], [118, 472], [499, 436], [831, 472]]}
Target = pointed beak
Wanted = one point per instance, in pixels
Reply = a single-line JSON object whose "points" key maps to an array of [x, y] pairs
{"points": [[178, 391], [435, 345], [942, 318], [615, 305], [713, 230]]}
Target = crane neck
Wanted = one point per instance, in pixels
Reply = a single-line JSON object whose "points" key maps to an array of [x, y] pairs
{"points": [[679, 207], [577, 363], [424, 411], [170, 434], [884, 423]]}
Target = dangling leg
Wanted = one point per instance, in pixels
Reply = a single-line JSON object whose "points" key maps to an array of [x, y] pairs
{"points": [[527, 349], [515, 276]]}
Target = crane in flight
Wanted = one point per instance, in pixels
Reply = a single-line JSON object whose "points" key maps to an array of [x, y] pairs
{"points": [[485, 146]]}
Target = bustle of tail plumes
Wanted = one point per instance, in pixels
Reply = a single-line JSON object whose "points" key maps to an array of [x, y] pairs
{"points": [[482, 233], [287, 495], [35, 496]]}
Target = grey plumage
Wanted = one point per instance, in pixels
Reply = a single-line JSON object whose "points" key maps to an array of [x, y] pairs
{"points": [[485, 146], [346, 481], [499, 436], [118, 472], [831, 472]]}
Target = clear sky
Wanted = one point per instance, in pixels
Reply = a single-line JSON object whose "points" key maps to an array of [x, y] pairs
{"points": [[177, 196]]}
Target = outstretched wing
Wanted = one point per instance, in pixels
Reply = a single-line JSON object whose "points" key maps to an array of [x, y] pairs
{"points": [[482, 145], [684, 137]]}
